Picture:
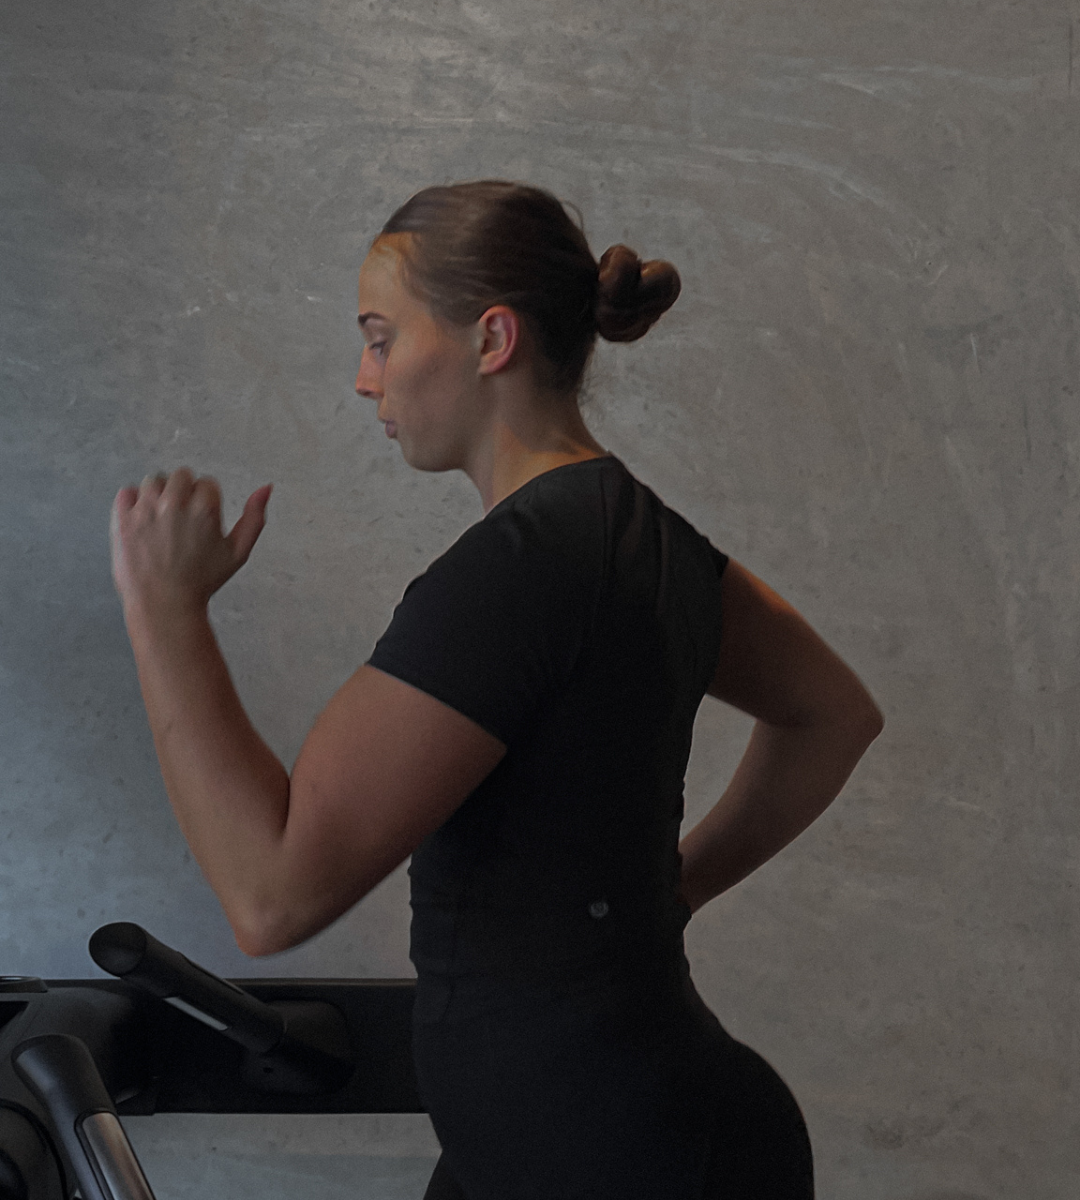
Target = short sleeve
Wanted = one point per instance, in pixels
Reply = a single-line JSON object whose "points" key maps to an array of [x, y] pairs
{"points": [[494, 626]]}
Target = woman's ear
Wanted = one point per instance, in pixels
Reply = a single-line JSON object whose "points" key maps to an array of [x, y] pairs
{"points": [[499, 333]]}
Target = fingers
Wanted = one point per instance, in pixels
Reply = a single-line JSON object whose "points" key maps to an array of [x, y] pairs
{"points": [[122, 504], [201, 498], [175, 488], [178, 487], [245, 533], [125, 499], [206, 498], [152, 486], [182, 488]]}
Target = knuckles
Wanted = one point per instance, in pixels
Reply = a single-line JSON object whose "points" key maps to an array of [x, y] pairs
{"points": [[168, 495], [206, 494]]}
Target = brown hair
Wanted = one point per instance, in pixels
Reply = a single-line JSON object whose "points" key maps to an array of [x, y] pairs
{"points": [[496, 242]]}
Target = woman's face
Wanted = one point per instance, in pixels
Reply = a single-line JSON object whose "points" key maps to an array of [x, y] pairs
{"points": [[421, 371]]}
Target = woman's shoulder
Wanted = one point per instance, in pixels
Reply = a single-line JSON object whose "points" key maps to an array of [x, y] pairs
{"points": [[603, 487], [563, 509], [596, 500], [575, 520], [574, 483], [554, 520]]}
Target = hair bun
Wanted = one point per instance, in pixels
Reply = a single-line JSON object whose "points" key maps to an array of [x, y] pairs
{"points": [[632, 295]]}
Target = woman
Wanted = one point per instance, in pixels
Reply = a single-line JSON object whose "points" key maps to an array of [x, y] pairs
{"points": [[522, 729]]}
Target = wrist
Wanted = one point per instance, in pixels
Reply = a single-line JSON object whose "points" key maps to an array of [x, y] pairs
{"points": [[151, 616]]}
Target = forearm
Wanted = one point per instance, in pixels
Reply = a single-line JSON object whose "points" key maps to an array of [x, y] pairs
{"points": [[228, 790], [787, 777]]}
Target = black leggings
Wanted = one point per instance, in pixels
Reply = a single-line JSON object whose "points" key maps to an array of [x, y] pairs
{"points": [[760, 1148]]}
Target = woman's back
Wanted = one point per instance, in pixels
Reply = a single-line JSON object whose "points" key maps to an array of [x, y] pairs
{"points": [[579, 622], [560, 1045]]}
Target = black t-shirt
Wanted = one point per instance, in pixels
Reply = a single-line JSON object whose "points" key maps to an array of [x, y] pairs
{"points": [[578, 622]]}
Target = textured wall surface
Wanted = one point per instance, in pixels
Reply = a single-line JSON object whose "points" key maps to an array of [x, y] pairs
{"points": [[869, 392]]}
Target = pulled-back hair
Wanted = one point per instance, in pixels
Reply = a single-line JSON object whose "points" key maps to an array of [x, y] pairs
{"points": [[491, 242]]}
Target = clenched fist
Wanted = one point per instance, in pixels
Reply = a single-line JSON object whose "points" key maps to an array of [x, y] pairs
{"points": [[169, 551]]}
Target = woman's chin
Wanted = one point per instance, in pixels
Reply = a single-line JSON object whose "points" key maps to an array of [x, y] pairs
{"points": [[419, 461]]}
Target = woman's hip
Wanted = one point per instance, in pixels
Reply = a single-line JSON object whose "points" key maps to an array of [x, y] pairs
{"points": [[602, 1096]]}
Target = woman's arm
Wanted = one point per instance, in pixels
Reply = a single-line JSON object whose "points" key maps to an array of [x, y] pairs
{"points": [[384, 765], [814, 722]]}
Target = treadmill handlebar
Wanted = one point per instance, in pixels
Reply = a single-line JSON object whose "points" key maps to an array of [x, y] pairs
{"points": [[60, 1071], [302, 1047], [126, 950]]}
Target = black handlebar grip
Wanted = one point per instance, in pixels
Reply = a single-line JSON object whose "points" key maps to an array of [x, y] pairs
{"points": [[129, 952], [60, 1071]]}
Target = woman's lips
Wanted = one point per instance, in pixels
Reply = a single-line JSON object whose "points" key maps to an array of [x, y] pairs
{"points": [[391, 428]]}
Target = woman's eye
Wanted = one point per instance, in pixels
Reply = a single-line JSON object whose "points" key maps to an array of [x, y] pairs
{"points": [[378, 348]]}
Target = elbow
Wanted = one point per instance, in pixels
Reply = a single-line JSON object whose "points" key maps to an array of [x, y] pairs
{"points": [[851, 717], [879, 722], [254, 942], [866, 720], [875, 720], [259, 933], [256, 949], [870, 720], [266, 931], [272, 920]]}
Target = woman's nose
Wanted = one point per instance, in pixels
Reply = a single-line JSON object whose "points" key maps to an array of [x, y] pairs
{"points": [[367, 382]]}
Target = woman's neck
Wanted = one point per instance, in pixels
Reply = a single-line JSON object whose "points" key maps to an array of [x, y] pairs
{"points": [[522, 442]]}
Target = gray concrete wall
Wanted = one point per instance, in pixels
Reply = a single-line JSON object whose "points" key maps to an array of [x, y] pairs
{"points": [[869, 393]]}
